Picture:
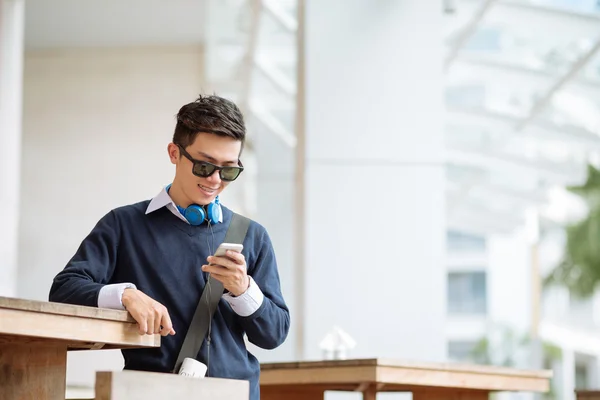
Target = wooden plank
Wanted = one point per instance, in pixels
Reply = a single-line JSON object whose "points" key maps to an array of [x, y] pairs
{"points": [[65, 309], [316, 376], [75, 329], [385, 362], [71, 345], [318, 364], [139, 385], [461, 379], [32, 372], [400, 379]]}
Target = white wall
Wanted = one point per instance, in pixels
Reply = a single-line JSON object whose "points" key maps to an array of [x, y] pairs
{"points": [[11, 76], [96, 128], [375, 224]]}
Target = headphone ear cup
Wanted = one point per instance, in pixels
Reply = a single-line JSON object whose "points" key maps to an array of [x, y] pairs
{"points": [[214, 213], [195, 214]]}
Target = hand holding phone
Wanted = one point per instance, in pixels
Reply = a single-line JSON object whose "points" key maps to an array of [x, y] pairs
{"points": [[230, 270]]}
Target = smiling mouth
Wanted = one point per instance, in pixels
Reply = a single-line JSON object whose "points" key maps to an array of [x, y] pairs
{"points": [[207, 189]]}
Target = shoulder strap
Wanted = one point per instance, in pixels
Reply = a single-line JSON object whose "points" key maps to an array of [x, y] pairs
{"points": [[211, 295]]}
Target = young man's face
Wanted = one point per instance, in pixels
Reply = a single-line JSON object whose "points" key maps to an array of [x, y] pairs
{"points": [[218, 150]]}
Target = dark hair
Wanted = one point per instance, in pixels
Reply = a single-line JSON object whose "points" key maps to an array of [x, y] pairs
{"points": [[209, 114]]}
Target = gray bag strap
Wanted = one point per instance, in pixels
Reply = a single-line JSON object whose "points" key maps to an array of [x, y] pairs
{"points": [[211, 295]]}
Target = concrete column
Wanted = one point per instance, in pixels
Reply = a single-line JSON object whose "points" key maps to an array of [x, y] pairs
{"points": [[510, 256], [374, 185], [594, 373], [567, 375], [12, 21]]}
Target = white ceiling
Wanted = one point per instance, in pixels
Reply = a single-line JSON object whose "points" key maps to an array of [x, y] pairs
{"points": [[85, 23]]}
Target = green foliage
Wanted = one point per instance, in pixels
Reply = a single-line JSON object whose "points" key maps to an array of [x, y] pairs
{"points": [[507, 347], [505, 350], [552, 352], [579, 269]]}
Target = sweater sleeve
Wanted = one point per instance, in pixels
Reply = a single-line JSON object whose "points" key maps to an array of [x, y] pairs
{"points": [[268, 326], [90, 268]]}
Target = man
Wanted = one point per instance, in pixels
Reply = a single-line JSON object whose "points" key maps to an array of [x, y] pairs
{"points": [[151, 260]]}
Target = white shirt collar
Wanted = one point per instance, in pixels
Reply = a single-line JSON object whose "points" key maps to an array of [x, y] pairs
{"points": [[162, 199]]}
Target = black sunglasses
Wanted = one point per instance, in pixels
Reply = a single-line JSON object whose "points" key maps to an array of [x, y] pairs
{"points": [[204, 169]]}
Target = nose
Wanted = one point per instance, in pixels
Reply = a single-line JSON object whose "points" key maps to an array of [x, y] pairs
{"points": [[215, 178]]}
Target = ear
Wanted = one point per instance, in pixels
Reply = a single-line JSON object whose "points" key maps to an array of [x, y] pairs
{"points": [[173, 151]]}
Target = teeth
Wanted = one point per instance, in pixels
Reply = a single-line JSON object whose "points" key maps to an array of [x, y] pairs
{"points": [[207, 189]]}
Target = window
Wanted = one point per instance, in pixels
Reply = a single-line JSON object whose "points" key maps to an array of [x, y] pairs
{"points": [[581, 376], [461, 351], [467, 293], [485, 39], [458, 241]]}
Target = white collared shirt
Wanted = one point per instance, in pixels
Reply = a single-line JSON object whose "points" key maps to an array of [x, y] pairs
{"points": [[163, 199], [244, 305]]}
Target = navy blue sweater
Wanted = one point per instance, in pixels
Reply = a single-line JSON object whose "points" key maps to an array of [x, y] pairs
{"points": [[162, 255]]}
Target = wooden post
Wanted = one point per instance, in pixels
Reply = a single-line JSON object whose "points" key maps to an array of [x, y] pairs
{"points": [[32, 372]]}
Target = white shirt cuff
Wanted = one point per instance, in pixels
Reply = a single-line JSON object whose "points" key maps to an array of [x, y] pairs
{"points": [[110, 296], [248, 302]]}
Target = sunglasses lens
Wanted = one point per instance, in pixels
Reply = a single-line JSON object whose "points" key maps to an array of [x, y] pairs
{"points": [[230, 173], [203, 170]]}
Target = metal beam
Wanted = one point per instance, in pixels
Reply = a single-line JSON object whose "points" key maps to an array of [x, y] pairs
{"points": [[276, 77], [556, 173], [526, 197], [564, 24], [498, 122], [480, 116], [576, 16], [286, 21], [501, 68], [542, 102], [272, 123], [559, 173], [569, 134], [466, 32], [476, 220]]}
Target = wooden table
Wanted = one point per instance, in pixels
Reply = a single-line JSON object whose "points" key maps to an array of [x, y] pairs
{"points": [[587, 394], [35, 337], [309, 380]]}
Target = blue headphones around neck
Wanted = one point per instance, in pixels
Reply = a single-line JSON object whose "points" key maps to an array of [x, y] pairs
{"points": [[196, 214]]}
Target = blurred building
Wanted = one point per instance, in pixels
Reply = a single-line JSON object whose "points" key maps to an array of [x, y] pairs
{"points": [[523, 79]]}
